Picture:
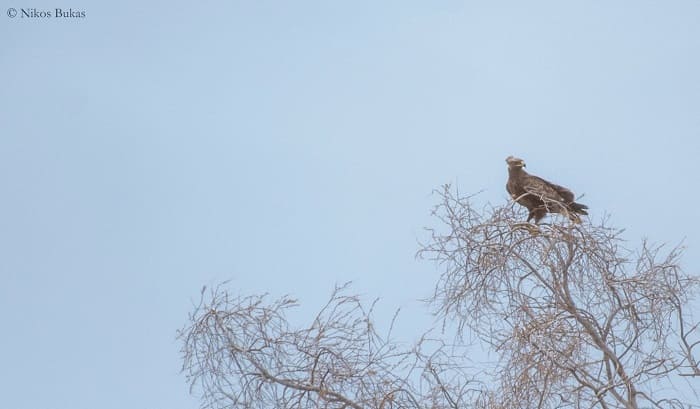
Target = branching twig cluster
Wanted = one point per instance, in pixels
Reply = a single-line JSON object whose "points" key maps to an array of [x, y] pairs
{"points": [[242, 352], [576, 319]]}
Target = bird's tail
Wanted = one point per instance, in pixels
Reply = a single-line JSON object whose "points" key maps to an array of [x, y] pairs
{"points": [[578, 208]]}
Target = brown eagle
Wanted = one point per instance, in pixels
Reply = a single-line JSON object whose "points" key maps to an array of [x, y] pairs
{"points": [[540, 196]]}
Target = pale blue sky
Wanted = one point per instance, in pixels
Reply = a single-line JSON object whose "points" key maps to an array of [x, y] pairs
{"points": [[154, 147]]}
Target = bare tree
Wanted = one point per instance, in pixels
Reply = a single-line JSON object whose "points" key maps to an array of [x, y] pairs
{"points": [[576, 320], [242, 353]]}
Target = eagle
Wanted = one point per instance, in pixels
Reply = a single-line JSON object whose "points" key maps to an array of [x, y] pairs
{"points": [[540, 196]]}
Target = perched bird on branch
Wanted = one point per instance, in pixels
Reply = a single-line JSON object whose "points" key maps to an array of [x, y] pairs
{"points": [[540, 196]]}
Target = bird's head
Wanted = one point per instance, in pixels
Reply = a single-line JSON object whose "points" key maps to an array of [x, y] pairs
{"points": [[515, 163]]}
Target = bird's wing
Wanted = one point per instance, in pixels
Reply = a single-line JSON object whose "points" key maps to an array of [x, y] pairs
{"points": [[565, 193], [547, 191]]}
